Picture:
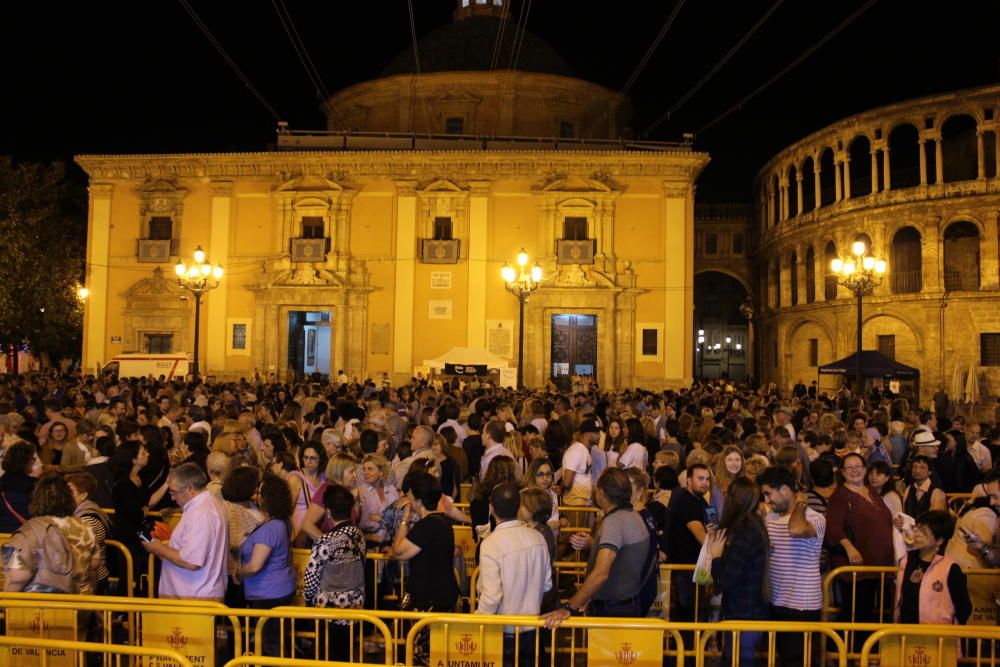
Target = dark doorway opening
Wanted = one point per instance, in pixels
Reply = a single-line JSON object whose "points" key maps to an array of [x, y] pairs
{"points": [[574, 350]]}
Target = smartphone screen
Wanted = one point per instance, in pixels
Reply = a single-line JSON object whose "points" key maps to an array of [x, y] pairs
{"points": [[711, 517]]}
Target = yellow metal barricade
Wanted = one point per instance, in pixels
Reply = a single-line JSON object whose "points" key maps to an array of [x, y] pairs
{"points": [[929, 646], [10, 644], [957, 500], [111, 545], [730, 632], [479, 639]]}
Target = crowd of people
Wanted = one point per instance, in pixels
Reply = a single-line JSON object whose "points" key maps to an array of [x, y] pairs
{"points": [[763, 493]]}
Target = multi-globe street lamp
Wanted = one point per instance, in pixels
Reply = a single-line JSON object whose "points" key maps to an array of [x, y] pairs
{"points": [[198, 278], [859, 272], [521, 282]]}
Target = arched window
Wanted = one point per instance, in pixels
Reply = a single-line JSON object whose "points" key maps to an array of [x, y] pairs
{"points": [[827, 178], [961, 257], [829, 280], [959, 149], [905, 263], [860, 152], [793, 193], [904, 157], [808, 185], [810, 275], [793, 280]]}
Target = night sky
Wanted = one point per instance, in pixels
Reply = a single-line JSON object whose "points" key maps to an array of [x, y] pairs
{"points": [[140, 77]]}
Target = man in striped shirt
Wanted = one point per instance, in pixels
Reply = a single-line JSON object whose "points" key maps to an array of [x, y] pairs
{"points": [[796, 533]]}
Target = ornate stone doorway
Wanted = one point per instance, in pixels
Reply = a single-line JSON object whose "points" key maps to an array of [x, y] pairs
{"points": [[574, 349]]}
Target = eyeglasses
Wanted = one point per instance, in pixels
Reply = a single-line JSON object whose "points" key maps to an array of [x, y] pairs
{"points": [[541, 473], [174, 492]]}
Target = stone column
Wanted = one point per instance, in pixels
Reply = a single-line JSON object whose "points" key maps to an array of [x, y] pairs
{"points": [[838, 181], [887, 179], [822, 268], [800, 277], [847, 177], [923, 161], [406, 241], [783, 188], [874, 155], [678, 295], [989, 269], [816, 181], [930, 253], [95, 309], [798, 191], [478, 236], [342, 251], [980, 156], [216, 328], [939, 159]]}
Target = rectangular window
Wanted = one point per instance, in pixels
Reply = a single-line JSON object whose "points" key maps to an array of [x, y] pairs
{"points": [[454, 125], [738, 243], [161, 228], [575, 229], [887, 346], [312, 227], [989, 349], [159, 343], [239, 336], [814, 352], [649, 342], [442, 228], [711, 243], [566, 130]]}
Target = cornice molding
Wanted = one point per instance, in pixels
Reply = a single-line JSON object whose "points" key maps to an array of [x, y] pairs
{"points": [[395, 165]]}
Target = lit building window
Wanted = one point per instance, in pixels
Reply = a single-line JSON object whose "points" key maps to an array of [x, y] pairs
{"points": [[239, 336]]}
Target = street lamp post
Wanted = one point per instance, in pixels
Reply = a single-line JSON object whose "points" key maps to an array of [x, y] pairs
{"points": [[198, 278], [521, 283], [860, 272], [729, 341]]}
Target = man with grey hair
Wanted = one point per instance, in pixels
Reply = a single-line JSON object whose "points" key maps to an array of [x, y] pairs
{"points": [[420, 448], [194, 559]]}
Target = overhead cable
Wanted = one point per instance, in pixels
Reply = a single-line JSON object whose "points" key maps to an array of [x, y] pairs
{"points": [[229, 61], [303, 54], [518, 43], [808, 52], [413, 36], [719, 65], [495, 56], [642, 63]]}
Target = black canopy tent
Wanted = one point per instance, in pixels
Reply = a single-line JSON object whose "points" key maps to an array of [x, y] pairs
{"points": [[873, 365]]}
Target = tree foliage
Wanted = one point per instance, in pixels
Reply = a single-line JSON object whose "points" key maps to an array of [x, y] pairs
{"points": [[42, 263]]}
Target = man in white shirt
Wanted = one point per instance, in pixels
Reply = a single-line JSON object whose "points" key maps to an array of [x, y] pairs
{"points": [[194, 559], [796, 537], [577, 465], [450, 412], [493, 437], [514, 572]]}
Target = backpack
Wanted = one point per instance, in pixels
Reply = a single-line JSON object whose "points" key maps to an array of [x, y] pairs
{"points": [[43, 543]]}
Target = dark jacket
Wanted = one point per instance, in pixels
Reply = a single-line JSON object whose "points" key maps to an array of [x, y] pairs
{"points": [[15, 493], [739, 573]]}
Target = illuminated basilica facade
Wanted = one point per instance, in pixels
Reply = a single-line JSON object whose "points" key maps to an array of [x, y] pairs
{"points": [[378, 243]]}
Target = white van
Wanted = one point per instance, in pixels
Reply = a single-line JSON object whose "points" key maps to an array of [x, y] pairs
{"points": [[139, 365]]}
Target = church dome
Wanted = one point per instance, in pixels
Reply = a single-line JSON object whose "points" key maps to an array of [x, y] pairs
{"points": [[467, 45]]}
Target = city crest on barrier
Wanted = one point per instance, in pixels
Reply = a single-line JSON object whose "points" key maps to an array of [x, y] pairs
{"points": [[177, 640], [626, 655]]}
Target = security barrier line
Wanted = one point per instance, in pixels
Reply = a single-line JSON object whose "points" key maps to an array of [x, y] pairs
{"points": [[770, 629], [46, 645], [935, 652], [110, 544]]}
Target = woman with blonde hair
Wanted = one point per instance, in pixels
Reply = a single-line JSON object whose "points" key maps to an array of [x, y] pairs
{"points": [[376, 495], [513, 444], [341, 469]]}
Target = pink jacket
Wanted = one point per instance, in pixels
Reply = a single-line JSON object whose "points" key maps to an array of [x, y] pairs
{"points": [[936, 605]]}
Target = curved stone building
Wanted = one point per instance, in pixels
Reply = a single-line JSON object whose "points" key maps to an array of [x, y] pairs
{"points": [[917, 181], [377, 244]]}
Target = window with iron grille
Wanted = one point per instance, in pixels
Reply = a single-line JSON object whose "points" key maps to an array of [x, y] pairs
{"points": [[442, 228], [312, 227], [814, 352], [649, 342], [566, 130], [737, 243], [454, 125], [239, 336], [711, 243], [887, 346], [161, 228], [575, 229], [989, 349]]}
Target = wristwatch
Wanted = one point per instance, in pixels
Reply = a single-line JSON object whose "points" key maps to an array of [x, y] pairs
{"points": [[569, 609]]}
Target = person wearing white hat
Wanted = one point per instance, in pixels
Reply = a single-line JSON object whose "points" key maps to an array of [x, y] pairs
{"points": [[923, 494]]}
